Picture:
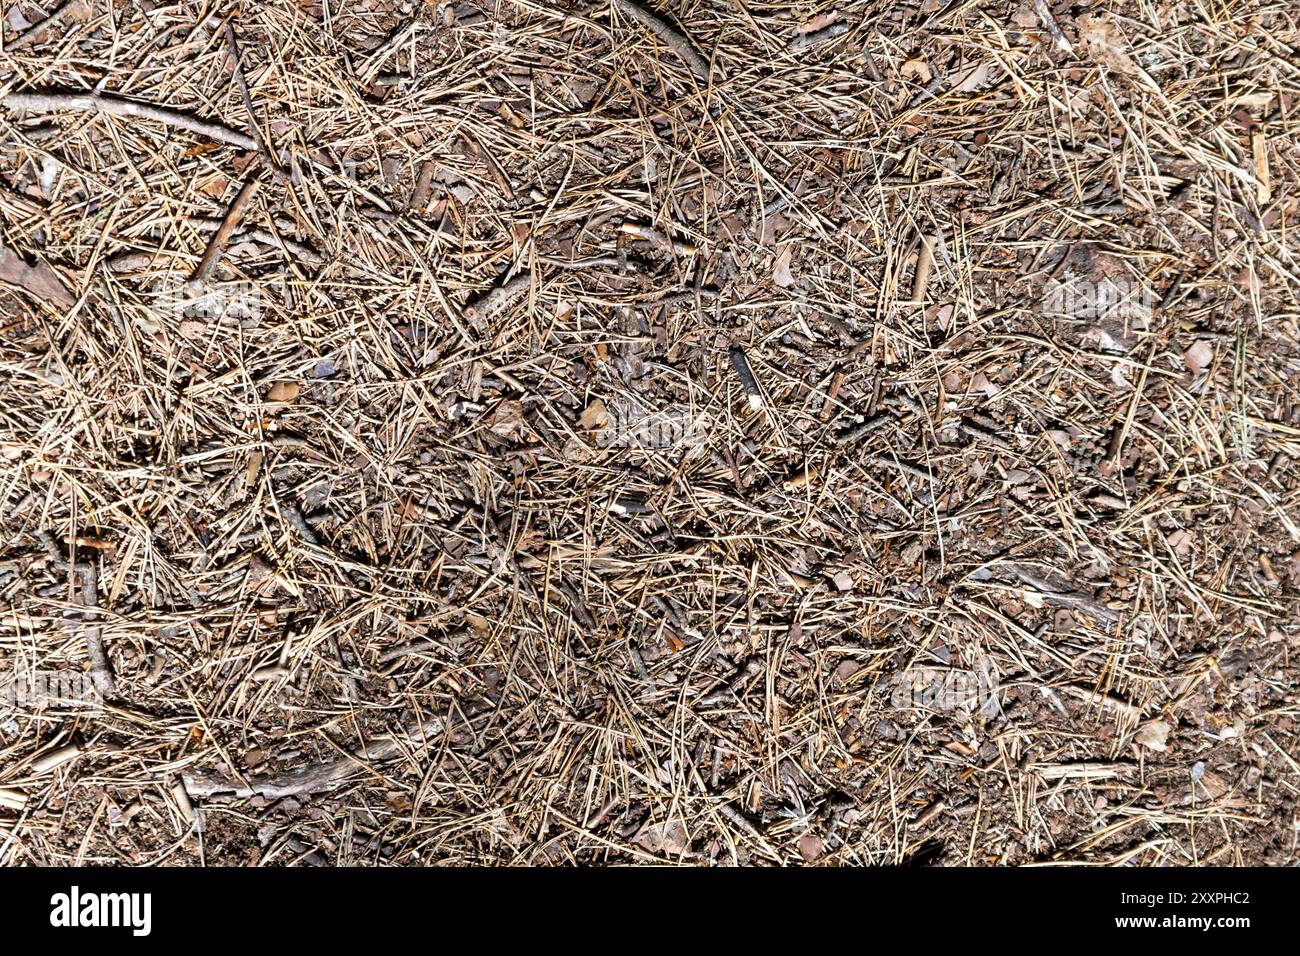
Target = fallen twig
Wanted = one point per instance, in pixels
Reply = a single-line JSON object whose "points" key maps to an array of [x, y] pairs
{"points": [[47, 102], [87, 579], [237, 67], [673, 38], [40, 26], [740, 362], [314, 778], [212, 255]]}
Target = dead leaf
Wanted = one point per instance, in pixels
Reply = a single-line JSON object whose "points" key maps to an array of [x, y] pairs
{"points": [[810, 847], [575, 449], [39, 281], [667, 838], [1198, 357], [283, 392], [1214, 785], [1260, 99], [819, 22], [594, 417], [1181, 541], [259, 572], [1102, 39], [781, 274], [916, 69], [1024, 16], [1154, 735], [214, 185], [506, 420], [971, 78]]}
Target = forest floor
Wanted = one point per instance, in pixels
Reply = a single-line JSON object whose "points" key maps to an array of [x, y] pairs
{"points": [[703, 432]]}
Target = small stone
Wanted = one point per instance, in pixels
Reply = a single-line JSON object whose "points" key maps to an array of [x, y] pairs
{"points": [[810, 847]]}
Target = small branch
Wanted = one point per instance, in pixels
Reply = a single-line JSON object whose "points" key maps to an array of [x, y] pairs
{"points": [[740, 362], [906, 468], [36, 29], [101, 671], [1045, 17], [874, 423], [650, 234], [212, 255], [241, 82], [48, 102], [312, 779], [576, 605], [423, 186], [924, 266], [673, 38]]}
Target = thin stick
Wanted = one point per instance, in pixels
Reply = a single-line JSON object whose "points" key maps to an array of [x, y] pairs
{"points": [[423, 186], [36, 29], [212, 255], [924, 266], [237, 68], [100, 670], [48, 102], [673, 38], [754, 394], [88, 586], [311, 779]]}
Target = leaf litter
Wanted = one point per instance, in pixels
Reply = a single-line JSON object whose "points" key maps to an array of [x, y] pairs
{"points": [[497, 433]]}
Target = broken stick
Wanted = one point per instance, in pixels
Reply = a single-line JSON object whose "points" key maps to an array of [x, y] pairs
{"points": [[673, 38], [311, 779], [48, 102], [740, 362], [212, 255], [40, 26], [86, 576]]}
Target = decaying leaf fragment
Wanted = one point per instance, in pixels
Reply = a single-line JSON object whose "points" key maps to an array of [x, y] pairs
{"points": [[39, 281]]}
